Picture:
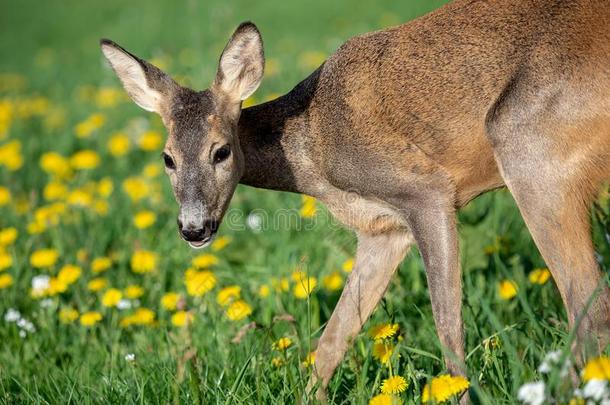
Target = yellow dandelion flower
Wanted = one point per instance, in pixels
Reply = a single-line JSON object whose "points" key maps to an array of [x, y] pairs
{"points": [[134, 291], [68, 315], [182, 318], [144, 219], [151, 170], [6, 280], [108, 97], [308, 209], [507, 289], [348, 265], [100, 264], [597, 369], [111, 297], [310, 359], [150, 141], [10, 155], [143, 261], [220, 243], [170, 300], [101, 207], [228, 294], [383, 331], [333, 281], [85, 128], [56, 286], [144, 316], [6, 261], [69, 273], [385, 399], [136, 188], [85, 160], [5, 196], [394, 385], [382, 351], [105, 187], [199, 282], [204, 260], [90, 318], [298, 275], [277, 361], [8, 236], [282, 344], [303, 288], [280, 285], [44, 258], [441, 388], [238, 310], [55, 164], [54, 191], [97, 284], [264, 291], [539, 276], [79, 198]]}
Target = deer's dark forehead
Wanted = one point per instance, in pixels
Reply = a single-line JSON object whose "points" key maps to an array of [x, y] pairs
{"points": [[189, 113]]}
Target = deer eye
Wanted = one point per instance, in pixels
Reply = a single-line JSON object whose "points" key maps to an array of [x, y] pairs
{"points": [[169, 162], [222, 154]]}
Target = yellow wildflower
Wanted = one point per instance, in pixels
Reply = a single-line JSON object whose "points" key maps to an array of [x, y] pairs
{"points": [[134, 291], [277, 361], [238, 310], [151, 170], [170, 300], [182, 318], [10, 155], [90, 318], [382, 351], [144, 219], [304, 287], [100, 264], [199, 282], [8, 236], [220, 243], [118, 144], [85, 160], [228, 294], [507, 289], [101, 207], [5, 196], [142, 316], [55, 164], [383, 331], [144, 261], [54, 190], [394, 385], [441, 388], [280, 285], [385, 399], [79, 198], [539, 276], [6, 260], [97, 284], [597, 369], [333, 281], [136, 188], [310, 359], [264, 291], [6, 280], [282, 344], [69, 274], [150, 141], [68, 315], [348, 265], [85, 128], [308, 209], [56, 286], [44, 258], [204, 260], [105, 187], [111, 297], [108, 97]]}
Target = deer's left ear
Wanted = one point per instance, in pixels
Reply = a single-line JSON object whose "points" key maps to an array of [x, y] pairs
{"points": [[242, 62], [146, 84]]}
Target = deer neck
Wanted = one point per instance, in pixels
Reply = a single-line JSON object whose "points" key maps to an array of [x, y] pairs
{"points": [[272, 136]]}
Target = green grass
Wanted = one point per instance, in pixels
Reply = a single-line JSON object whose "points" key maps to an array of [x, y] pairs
{"points": [[54, 46]]}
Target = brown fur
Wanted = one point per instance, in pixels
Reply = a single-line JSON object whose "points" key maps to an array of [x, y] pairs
{"points": [[401, 127]]}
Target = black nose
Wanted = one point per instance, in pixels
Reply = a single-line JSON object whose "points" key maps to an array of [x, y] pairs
{"points": [[195, 234]]}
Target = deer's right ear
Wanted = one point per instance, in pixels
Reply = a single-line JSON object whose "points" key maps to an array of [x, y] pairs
{"points": [[146, 84], [242, 62]]}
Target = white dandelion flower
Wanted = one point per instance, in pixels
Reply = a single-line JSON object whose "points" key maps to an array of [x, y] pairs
{"points": [[532, 393], [12, 315]]}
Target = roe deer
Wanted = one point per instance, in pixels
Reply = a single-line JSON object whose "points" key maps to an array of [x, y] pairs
{"points": [[414, 121]]}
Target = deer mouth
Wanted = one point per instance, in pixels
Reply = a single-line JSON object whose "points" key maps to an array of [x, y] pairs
{"points": [[200, 244]]}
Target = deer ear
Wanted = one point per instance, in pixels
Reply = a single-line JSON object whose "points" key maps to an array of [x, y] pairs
{"points": [[242, 62], [146, 84]]}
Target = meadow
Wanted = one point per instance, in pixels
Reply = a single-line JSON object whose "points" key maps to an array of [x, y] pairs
{"points": [[102, 302]]}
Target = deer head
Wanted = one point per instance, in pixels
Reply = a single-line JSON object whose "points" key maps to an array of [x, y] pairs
{"points": [[202, 155]]}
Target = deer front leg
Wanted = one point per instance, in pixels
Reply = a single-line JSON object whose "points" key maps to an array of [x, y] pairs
{"points": [[377, 257], [434, 229]]}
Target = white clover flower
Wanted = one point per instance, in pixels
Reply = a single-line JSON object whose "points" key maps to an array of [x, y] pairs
{"points": [[124, 304], [26, 325], [46, 303], [595, 390], [12, 315], [254, 222], [551, 361], [22, 333], [532, 393], [40, 283], [130, 357]]}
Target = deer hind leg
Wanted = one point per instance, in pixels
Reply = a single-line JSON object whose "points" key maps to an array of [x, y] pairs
{"points": [[553, 171], [377, 258]]}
